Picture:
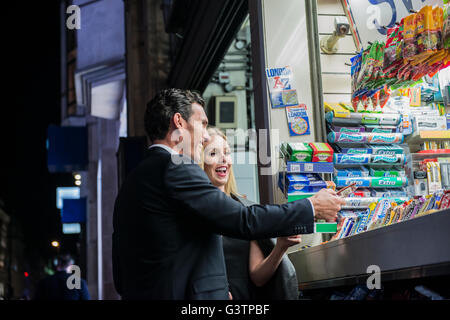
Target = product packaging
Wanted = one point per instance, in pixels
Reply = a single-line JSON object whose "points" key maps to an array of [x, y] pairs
{"points": [[387, 149], [446, 25], [391, 119], [390, 159], [445, 174], [347, 129], [383, 138], [380, 129], [430, 123], [420, 183], [395, 172], [362, 193], [360, 182], [356, 149], [445, 201], [342, 158], [379, 212], [299, 151], [352, 172], [347, 137], [304, 182], [433, 176], [321, 152], [387, 182], [388, 193]]}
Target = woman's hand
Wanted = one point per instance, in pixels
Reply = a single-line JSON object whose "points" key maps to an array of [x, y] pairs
{"points": [[286, 242]]}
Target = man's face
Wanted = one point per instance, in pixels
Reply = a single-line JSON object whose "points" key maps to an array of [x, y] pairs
{"points": [[197, 133]]}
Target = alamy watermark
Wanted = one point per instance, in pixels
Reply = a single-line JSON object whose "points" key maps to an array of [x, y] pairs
{"points": [[374, 280], [258, 143], [74, 280], [74, 20]]}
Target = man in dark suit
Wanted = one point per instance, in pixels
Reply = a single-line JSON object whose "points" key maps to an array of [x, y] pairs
{"points": [[168, 217], [55, 287]]}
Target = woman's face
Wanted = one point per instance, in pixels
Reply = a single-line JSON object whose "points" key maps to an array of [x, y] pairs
{"points": [[217, 161]]}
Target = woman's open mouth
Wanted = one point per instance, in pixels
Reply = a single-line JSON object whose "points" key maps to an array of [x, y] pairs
{"points": [[222, 171]]}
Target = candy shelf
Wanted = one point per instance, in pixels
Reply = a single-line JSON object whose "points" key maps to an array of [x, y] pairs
{"points": [[410, 249]]}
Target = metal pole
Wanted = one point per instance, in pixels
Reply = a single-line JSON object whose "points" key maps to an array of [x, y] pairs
{"points": [[99, 216], [316, 72]]}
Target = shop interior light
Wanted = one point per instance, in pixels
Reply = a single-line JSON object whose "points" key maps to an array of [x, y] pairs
{"points": [[55, 244]]}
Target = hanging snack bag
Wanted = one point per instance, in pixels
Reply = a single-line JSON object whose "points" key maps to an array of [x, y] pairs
{"points": [[367, 65], [389, 51], [446, 25], [409, 37], [426, 34], [438, 19]]}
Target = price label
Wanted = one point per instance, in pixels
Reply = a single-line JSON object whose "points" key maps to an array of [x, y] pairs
{"points": [[309, 167], [295, 168]]}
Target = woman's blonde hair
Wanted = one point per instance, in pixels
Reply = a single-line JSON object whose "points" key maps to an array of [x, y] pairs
{"points": [[230, 186]]}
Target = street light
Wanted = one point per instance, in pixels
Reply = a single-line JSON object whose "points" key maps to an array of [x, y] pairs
{"points": [[55, 244], [77, 176]]}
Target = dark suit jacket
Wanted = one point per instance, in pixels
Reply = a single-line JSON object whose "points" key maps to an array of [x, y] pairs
{"points": [[167, 221]]}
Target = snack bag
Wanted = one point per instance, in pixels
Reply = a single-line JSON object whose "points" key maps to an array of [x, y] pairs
{"points": [[427, 41], [409, 37], [438, 18], [390, 55], [385, 93], [446, 25]]}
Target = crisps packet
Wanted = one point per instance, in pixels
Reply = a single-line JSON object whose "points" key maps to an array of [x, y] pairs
{"points": [[446, 25], [409, 36]]}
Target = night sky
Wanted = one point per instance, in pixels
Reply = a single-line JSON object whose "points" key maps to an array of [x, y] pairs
{"points": [[30, 102]]}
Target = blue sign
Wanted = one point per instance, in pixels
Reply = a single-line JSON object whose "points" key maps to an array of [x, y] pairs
{"points": [[73, 211], [67, 149]]}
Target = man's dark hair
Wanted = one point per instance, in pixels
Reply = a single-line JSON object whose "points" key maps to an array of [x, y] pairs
{"points": [[64, 260], [164, 105]]}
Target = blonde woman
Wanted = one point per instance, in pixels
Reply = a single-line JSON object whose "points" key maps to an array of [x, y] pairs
{"points": [[255, 269]]}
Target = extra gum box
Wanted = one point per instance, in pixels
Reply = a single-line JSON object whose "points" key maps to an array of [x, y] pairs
{"points": [[321, 152], [352, 172], [387, 150]]}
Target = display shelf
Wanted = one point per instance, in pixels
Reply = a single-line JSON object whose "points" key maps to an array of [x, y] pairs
{"points": [[309, 167], [410, 249], [418, 137]]}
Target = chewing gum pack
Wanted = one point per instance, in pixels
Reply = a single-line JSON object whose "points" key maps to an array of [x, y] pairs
{"points": [[321, 152], [299, 151]]}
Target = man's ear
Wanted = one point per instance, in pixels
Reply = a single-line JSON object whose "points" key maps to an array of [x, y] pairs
{"points": [[177, 121]]}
